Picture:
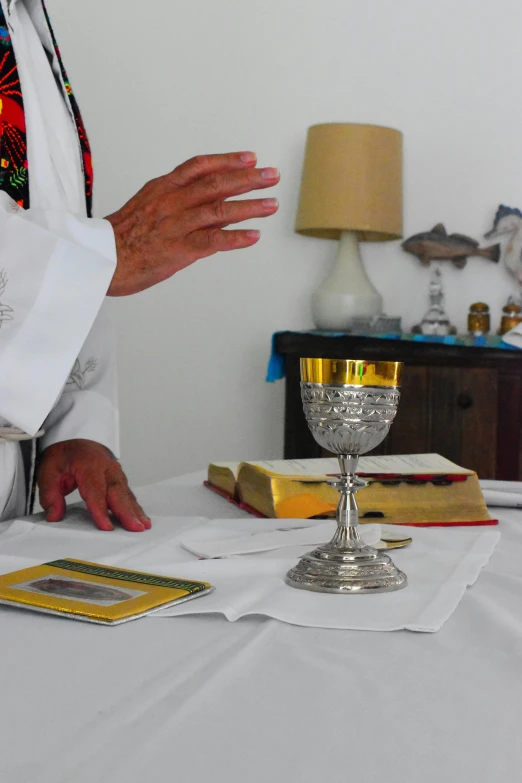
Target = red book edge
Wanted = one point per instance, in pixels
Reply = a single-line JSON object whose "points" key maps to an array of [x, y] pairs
{"points": [[258, 514], [414, 476]]}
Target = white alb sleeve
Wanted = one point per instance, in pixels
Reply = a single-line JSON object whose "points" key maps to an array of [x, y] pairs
{"points": [[88, 406], [55, 269]]}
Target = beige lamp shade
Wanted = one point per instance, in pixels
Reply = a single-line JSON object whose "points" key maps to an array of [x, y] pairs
{"points": [[352, 181]]}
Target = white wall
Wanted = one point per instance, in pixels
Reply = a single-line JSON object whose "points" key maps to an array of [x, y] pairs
{"points": [[162, 80]]}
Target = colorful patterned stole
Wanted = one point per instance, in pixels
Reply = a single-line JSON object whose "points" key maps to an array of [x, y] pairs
{"points": [[14, 169]]}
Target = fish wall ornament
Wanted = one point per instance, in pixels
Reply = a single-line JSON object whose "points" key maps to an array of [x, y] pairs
{"points": [[438, 245], [508, 222]]}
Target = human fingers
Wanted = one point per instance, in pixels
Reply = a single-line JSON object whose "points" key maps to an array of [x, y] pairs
{"points": [[214, 240], [93, 490], [223, 213], [126, 508], [220, 186], [52, 500], [52, 490], [203, 165]]}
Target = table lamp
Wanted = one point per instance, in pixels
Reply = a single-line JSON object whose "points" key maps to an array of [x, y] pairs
{"points": [[351, 190]]}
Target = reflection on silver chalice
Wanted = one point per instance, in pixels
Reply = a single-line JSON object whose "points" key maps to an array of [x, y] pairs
{"points": [[349, 406]]}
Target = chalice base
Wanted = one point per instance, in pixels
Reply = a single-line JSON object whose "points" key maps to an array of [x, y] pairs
{"points": [[328, 570]]}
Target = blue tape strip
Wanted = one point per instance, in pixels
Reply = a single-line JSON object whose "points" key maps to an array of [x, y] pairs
{"points": [[276, 363]]}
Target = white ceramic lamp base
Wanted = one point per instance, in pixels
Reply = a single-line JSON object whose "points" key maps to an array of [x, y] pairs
{"points": [[348, 292]]}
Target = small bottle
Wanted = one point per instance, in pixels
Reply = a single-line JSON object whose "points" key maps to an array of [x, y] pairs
{"points": [[478, 320], [512, 315], [435, 321]]}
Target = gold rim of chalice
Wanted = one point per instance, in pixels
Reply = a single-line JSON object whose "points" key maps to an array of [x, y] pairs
{"points": [[351, 372]]}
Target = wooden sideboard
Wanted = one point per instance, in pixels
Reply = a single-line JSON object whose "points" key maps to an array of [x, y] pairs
{"points": [[462, 402]]}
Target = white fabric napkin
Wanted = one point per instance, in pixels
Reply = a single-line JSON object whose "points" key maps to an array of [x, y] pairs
{"points": [[507, 494], [26, 542], [225, 537], [440, 565]]}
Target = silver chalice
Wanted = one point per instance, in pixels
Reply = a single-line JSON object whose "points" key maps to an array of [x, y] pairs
{"points": [[349, 406]]}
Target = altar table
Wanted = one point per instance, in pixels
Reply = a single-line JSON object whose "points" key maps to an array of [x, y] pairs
{"points": [[202, 700]]}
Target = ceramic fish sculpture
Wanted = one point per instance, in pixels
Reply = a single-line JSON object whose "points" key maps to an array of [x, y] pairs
{"points": [[508, 222], [437, 245]]}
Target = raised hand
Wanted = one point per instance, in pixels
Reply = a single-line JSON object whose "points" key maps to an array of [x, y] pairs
{"points": [[179, 218]]}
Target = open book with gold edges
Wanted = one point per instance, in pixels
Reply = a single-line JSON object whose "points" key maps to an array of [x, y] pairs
{"points": [[407, 489], [93, 592]]}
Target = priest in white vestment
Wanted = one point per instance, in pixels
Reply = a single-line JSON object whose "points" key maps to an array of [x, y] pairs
{"points": [[57, 264]]}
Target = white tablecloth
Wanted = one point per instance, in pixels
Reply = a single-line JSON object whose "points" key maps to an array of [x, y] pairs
{"points": [[199, 699]]}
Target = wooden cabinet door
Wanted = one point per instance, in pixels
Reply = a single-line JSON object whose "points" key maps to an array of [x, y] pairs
{"points": [[450, 411], [463, 411], [410, 431], [509, 424]]}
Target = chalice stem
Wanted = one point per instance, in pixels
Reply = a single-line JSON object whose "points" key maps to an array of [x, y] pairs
{"points": [[347, 533]]}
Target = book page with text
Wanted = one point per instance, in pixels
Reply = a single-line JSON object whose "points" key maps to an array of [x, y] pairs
{"points": [[317, 469]]}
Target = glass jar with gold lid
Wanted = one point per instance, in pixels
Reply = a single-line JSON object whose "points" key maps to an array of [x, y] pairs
{"points": [[511, 317], [478, 319]]}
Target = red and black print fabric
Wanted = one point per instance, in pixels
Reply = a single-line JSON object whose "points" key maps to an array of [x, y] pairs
{"points": [[14, 168]]}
